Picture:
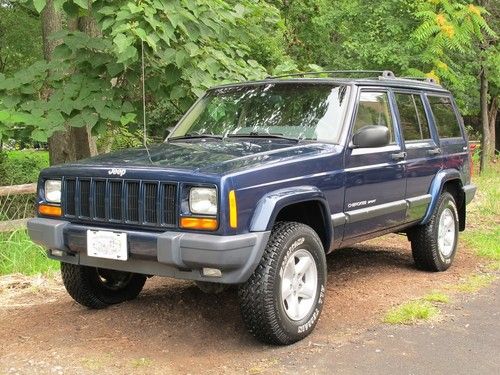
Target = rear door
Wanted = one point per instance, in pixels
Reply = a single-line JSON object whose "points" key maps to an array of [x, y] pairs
{"points": [[375, 177], [424, 156], [452, 138]]}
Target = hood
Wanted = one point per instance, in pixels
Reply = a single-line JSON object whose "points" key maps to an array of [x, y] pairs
{"points": [[208, 156]]}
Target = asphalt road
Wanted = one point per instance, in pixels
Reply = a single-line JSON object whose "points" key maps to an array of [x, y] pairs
{"points": [[466, 342]]}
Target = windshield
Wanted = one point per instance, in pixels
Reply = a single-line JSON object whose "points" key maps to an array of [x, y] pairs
{"points": [[288, 110]]}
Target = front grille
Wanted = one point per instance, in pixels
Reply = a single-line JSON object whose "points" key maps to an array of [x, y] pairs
{"points": [[120, 201]]}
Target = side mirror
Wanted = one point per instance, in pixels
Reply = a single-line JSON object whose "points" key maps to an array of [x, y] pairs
{"points": [[371, 136]]}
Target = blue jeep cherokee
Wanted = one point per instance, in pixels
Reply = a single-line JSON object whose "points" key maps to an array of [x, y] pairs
{"points": [[257, 183]]}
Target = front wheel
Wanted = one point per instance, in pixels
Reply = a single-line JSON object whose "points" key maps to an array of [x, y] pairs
{"points": [[282, 300], [97, 288], [434, 244]]}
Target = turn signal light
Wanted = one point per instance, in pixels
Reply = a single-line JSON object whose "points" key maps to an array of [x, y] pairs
{"points": [[199, 223], [48, 210]]}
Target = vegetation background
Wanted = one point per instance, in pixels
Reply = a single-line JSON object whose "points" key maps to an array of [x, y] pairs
{"points": [[70, 69]]}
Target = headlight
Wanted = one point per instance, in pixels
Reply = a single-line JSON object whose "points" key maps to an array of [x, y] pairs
{"points": [[53, 191], [203, 201]]}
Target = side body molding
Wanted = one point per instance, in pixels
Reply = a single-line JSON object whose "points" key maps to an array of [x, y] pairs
{"points": [[437, 185], [270, 205]]}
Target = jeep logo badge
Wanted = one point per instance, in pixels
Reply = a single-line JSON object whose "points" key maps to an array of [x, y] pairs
{"points": [[117, 171]]}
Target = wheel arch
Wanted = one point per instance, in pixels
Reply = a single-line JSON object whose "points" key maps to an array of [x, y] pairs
{"points": [[303, 204], [448, 180]]}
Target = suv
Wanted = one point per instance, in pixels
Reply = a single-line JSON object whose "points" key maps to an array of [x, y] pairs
{"points": [[257, 183]]}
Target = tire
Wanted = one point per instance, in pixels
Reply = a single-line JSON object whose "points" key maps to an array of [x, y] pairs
{"points": [[98, 288], [431, 251], [270, 316], [211, 288]]}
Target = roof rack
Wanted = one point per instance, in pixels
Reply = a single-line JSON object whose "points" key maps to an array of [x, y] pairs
{"points": [[380, 73], [423, 79]]}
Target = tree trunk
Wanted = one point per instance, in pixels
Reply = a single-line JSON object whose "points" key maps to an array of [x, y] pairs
{"points": [[85, 143], [486, 139], [51, 23], [73, 143], [493, 111]]}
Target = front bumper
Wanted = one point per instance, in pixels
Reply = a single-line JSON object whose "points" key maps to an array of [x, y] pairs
{"points": [[173, 254]]}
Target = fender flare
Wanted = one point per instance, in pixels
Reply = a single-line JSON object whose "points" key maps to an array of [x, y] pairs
{"points": [[437, 186], [273, 202]]}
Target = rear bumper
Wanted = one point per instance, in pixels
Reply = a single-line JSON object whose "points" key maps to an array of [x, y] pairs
{"points": [[470, 192], [172, 254]]}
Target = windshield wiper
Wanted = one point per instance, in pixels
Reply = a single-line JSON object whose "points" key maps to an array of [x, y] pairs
{"points": [[194, 136], [262, 135]]}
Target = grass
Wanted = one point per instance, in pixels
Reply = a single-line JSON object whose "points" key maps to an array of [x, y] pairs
{"points": [[18, 254], [485, 242], [411, 312], [483, 229], [474, 283], [437, 297]]}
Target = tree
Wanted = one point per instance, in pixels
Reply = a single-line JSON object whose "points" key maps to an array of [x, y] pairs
{"points": [[94, 80], [451, 27], [20, 41]]}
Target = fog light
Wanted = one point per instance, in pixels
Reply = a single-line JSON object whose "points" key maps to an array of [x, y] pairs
{"points": [[57, 253], [212, 272]]}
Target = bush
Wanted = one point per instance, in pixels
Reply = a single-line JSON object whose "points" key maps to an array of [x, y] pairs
{"points": [[21, 167]]}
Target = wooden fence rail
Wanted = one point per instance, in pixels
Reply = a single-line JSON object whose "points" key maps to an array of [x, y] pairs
{"points": [[17, 190], [8, 191], [9, 226]]}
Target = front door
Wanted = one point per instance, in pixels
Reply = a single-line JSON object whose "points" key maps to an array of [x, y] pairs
{"points": [[375, 177]]}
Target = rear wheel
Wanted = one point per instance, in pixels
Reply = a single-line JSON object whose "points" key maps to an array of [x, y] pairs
{"points": [[434, 244], [282, 300], [97, 288]]}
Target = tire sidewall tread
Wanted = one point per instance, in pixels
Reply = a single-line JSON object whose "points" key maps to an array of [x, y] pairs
{"points": [[260, 296], [424, 238]]}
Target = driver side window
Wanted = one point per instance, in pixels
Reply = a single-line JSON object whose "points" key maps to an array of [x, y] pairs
{"points": [[374, 109]]}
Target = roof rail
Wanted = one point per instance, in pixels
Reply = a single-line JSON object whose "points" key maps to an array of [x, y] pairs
{"points": [[381, 73], [423, 79]]}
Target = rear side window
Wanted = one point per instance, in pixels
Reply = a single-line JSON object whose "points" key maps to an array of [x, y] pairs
{"points": [[444, 117], [412, 116], [373, 109]]}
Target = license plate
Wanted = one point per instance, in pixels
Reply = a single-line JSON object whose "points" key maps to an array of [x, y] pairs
{"points": [[109, 245]]}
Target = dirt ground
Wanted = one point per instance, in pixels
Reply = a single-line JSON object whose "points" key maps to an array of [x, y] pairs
{"points": [[174, 328]]}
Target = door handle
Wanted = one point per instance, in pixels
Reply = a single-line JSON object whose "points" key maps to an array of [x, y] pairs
{"points": [[434, 152], [399, 156]]}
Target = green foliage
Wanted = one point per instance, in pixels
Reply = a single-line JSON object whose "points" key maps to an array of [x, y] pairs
{"points": [[19, 255], [21, 167], [449, 38], [20, 39], [189, 46]]}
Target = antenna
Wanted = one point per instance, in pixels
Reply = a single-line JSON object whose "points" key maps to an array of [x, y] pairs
{"points": [[143, 79]]}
